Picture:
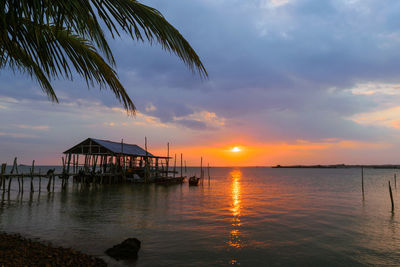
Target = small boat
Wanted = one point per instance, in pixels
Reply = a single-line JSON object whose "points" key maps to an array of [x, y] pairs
{"points": [[194, 180], [170, 180]]}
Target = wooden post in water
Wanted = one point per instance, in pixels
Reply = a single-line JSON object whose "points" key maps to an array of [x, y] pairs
{"points": [[69, 162], [73, 163], [201, 169], [3, 179], [208, 172], [167, 161], [123, 160], [391, 196], [9, 183], [32, 171], [174, 165], [77, 164], [181, 166], [15, 167], [362, 181], [49, 182], [146, 163], [395, 182]]}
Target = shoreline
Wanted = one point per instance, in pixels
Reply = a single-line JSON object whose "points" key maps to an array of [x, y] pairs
{"points": [[337, 166], [16, 250]]}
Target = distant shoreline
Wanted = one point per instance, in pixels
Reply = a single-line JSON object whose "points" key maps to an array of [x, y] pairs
{"points": [[339, 166]]}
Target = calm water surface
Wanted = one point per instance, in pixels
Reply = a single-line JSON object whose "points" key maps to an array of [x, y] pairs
{"points": [[245, 216]]}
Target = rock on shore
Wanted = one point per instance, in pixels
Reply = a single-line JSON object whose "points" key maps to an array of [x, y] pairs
{"points": [[18, 251], [126, 250]]}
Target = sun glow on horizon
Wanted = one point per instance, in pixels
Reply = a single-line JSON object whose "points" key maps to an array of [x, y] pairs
{"points": [[236, 149]]}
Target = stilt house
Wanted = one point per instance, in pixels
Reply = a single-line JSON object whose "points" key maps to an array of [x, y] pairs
{"points": [[102, 156]]}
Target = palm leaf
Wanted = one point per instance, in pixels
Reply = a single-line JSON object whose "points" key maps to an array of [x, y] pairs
{"points": [[49, 38]]}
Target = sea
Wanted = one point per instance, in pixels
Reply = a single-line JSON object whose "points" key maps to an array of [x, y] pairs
{"points": [[244, 216]]}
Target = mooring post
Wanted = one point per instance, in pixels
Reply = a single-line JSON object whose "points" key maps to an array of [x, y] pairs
{"points": [[208, 172], [167, 161], [181, 166], [362, 180], [391, 196], [3, 179], [32, 171], [174, 165], [49, 182], [201, 169], [3, 169]]}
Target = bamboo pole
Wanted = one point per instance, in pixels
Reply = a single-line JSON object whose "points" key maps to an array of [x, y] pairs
{"points": [[77, 164], [69, 162], [15, 167], [9, 183], [3, 179], [201, 169], [174, 165], [208, 172], [32, 171], [362, 180], [391, 197], [181, 166], [167, 161], [49, 182], [146, 162]]}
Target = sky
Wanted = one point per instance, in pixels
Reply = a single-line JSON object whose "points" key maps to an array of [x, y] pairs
{"points": [[290, 82]]}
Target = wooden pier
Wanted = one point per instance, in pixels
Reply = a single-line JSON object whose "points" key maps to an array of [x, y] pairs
{"points": [[95, 161]]}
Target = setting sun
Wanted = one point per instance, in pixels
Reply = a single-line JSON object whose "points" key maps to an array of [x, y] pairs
{"points": [[236, 149]]}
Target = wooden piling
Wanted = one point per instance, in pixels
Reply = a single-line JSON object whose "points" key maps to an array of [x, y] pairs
{"points": [[174, 165], [167, 161], [32, 171], [395, 182], [49, 183], [181, 166], [208, 172], [362, 180], [391, 196], [201, 170], [68, 162], [3, 179], [9, 183], [63, 164]]}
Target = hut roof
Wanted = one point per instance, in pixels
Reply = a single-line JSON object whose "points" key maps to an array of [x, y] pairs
{"points": [[97, 146]]}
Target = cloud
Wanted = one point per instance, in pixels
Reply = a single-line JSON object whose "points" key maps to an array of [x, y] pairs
{"points": [[33, 127], [286, 70]]}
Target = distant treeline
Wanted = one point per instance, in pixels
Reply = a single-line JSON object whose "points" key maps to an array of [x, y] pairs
{"points": [[342, 166]]}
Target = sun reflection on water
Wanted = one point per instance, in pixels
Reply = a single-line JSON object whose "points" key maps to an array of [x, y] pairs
{"points": [[235, 240]]}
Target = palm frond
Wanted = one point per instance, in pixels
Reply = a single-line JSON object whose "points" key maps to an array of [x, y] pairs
{"points": [[49, 38]]}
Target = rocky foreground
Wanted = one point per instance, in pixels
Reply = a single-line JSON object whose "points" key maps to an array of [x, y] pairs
{"points": [[18, 251]]}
